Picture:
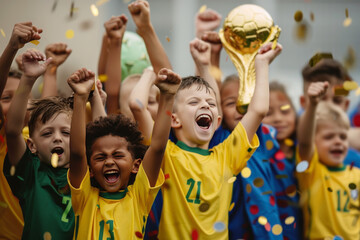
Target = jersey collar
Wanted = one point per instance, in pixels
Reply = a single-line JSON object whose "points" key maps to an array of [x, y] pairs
{"points": [[185, 147], [114, 195]]}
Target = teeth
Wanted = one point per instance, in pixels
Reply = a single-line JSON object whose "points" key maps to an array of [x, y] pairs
{"points": [[111, 172], [203, 116]]}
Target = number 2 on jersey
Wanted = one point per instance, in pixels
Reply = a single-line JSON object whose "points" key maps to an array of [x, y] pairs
{"points": [[192, 182]]}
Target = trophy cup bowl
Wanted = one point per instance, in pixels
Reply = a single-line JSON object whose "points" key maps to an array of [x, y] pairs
{"points": [[246, 28]]}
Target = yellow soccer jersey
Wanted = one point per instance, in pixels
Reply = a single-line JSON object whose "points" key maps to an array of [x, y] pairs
{"points": [[11, 218], [198, 187], [330, 200], [120, 215]]}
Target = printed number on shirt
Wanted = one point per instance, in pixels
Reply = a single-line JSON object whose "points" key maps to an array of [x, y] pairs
{"points": [[192, 182], [342, 201], [111, 229], [66, 201]]}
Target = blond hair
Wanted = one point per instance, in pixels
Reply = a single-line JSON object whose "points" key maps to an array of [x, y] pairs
{"points": [[329, 112]]}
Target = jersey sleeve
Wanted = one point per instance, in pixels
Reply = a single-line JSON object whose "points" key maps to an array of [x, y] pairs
{"points": [[306, 177], [237, 149], [24, 175], [80, 195], [143, 191]]}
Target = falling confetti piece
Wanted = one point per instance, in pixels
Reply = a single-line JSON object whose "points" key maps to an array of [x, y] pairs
{"points": [[354, 194], [280, 176], [219, 227], [254, 209], [357, 92], [267, 192], [340, 91], [301, 31], [168, 113], [72, 8], [272, 200], [248, 188], [312, 16], [302, 166], [54, 160], [69, 34], [103, 77], [269, 144], [298, 16], [168, 39], [279, 155], [329, 189], [94, 10], [350, 58], [347, 22], [289, 142], [202, 9], [12, 171], [267, 227], [338, 238], [350, 85], [204, 207], [41, 87], [285, 107], [277, 229], [346, 12], [47, 236], [246, 172], [138, 234], [318, 57], [54, 5], [215, 72], [232, 179], [289, 220], [3, 205], [2, 32], [258, 182], [101, 2], [352, 186], [167, 176], [232, 205], [262, 220], [35, 42], [291, 190], [194, 235]]}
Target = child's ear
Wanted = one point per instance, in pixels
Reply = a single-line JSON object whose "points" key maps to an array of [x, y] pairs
{"points": [[31, 145], [219, 121], [175, 122], [136, 165], [91, 172]]}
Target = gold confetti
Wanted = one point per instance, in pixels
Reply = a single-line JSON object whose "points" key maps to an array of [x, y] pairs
{"points": [[298, 16], [103, 77], [350, 85], [347, 22], [312, 16], [266, 192], [346, 12], [215, 72], [101, 2], [232, 205], [285, 107], [258, 182], [248, 188], [302, 31], [350, 58], [54, 160], [94, 10], [357, 93], [262, 220], [204, 207], [167, 39], [69, 34], [35, 42], [277, 229], [2, 32], [41, 86], [47, 236], [289, 220], [202, 9], [232, 179], [246, 172], [269, 144], [318, 57], [12, 171], [339, 90], [289, 142]]}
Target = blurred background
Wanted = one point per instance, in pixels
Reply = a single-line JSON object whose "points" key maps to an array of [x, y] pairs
{"points": [[324, 28]]}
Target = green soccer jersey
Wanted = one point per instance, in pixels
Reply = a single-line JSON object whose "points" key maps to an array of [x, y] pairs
{"points": [[44, 197]]}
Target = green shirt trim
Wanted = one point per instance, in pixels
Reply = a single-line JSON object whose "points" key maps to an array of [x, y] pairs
{"points": [[336, 169], [204, 152], [114, 195]]}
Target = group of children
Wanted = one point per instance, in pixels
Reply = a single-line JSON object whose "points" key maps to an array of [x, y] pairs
{"points": [[173, 159]]}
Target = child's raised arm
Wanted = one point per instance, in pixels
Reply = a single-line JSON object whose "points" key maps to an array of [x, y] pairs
{"points": [[140, 12], [168, 82], [59, 52], [21, 34], [81, 83], [115, 29], [138, 103], [259, 104], [306, 127], [33, 68], [98, 101]]}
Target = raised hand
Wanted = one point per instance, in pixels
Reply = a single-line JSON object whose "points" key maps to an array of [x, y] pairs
{"points": [[167, 81], [23, 33], [59, 52], [209, 20], [34, 63], [140, 12], [200, 51], [214, 40], [82, 81], [316, 91], [267, 54], [115, 27]]}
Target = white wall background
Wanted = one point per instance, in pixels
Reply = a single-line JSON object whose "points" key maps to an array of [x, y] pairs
{"points": [[175, 19]]}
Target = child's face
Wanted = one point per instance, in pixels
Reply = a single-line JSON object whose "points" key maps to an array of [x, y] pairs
{"points": [[111, 163], [8, 93], [229, 96], [281, 115], [331, 141], [52, 137], [196, 116]]}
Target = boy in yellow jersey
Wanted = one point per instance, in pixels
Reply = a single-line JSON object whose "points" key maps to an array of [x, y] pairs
{"points": [[197, 192], [110, 208], [330, 190]]}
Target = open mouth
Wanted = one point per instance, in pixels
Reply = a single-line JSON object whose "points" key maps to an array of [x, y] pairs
{"points": [[57, 150], [204, 121], [111, 176], [336, 152]]}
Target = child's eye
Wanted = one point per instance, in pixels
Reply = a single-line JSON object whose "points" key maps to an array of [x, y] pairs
{"points": [[229, 104], [46, 134], [66, 133], [193, 102], [6, 98], [118, 156]]}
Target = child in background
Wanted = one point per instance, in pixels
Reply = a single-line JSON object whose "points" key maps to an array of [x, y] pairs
{"points": [[11, 219], [329, 188], [331, 71], [114, 152], [197, 193]]}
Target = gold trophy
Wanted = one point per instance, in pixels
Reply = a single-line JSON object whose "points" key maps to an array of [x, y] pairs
{"points": [[245, 30]]}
